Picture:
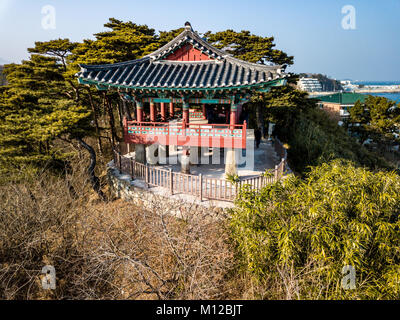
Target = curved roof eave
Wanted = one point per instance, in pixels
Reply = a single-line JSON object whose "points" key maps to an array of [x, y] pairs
{"points": [[252, 85]]}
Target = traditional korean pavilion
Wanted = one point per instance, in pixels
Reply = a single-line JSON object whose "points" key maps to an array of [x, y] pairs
{"points": [[186, 73]]}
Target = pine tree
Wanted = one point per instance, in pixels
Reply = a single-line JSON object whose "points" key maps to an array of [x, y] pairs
{"points": [[249, 47], [34, 112]]}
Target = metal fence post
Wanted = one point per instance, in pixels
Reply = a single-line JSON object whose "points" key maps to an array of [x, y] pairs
{"points": [[201, 186], [119, 164], [132, 168], [146, 178], [171, 185]]}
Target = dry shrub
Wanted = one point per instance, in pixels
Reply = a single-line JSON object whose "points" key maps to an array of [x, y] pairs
{"points": [[155, 255], [105, 250]]}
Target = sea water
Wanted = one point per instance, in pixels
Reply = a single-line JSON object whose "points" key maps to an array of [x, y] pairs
{"points": [[395, 96]]}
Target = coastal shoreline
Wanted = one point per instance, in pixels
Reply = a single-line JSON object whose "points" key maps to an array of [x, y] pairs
{"points": [[355, 91], [378, 91]]}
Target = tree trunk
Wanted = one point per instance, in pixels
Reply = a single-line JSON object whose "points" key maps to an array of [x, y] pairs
{"points": [[125, 108], [111, 120], [260, 118], [120, 116], [95, 181], [96, 121]]}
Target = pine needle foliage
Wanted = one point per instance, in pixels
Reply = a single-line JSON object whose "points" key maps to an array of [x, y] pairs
{"points": [[34, 112]]}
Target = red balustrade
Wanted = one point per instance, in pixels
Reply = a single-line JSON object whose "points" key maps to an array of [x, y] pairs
{"points": [[181, 134], [196, 115]]}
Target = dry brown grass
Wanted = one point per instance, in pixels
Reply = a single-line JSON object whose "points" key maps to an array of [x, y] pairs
{"points": [[106, 250]]}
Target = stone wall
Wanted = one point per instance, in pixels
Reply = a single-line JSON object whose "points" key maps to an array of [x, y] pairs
{"points": [[157, 198]]}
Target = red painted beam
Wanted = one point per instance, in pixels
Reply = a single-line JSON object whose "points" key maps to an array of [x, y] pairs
{"points": [[222, 136]]}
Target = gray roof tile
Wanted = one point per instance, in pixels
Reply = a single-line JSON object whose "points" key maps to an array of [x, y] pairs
{"points": [[153, 71]]}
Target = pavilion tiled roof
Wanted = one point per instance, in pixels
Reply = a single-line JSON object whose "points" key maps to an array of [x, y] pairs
{"points": [[155, 72]]}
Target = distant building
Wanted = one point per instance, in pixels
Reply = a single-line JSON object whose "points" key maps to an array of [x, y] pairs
{"points": [[337, 105], [348, 86], [309, 85]]}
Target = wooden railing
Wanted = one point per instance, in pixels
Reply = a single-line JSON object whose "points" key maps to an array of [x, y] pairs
{"points": [[192, 114], [280, 149], [186, 134], [195, 185], [196, 115]]}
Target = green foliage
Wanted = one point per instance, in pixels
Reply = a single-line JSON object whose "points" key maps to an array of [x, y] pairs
{"points": [[269, 173], [249, 47], [2, 77], [34, 112], [377, 119], [167, 36], [233, 178], [282, 103], [314, 138], [60, 49], [125, 41], [305, 231]]}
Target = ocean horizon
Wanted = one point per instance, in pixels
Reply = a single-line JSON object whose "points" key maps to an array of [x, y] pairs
{"points": [[395, 96], [377, 83]]}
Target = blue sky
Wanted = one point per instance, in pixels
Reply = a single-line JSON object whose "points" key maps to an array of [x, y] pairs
{"points": [[311, 30]]}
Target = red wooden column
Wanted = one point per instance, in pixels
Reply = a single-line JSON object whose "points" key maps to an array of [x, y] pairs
{"points": [[204, 111], [185, 112], [152, 112], [233, 114], [171, 109], [139, 111], [163, 112], [125, 127], [227, 112], [238, 113]]}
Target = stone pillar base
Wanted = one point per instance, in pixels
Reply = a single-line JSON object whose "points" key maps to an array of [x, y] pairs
{"points": [[216, 155], [195, 155], [140, 153], [163, 154], [185, 161], [152, 154], [231, 161]]}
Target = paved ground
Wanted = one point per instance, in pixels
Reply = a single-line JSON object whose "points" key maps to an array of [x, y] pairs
{"points": [[166, 193], [264, 158]]}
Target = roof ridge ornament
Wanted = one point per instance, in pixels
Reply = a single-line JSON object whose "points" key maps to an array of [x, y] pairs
{"points": [[188, 26]]}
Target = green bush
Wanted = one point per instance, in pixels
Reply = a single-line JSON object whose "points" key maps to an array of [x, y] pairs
{"points": [[314, 138], [294, 237]]}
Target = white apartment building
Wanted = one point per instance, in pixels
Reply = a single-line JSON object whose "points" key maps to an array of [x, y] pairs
{"points": [[309, 85]]}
